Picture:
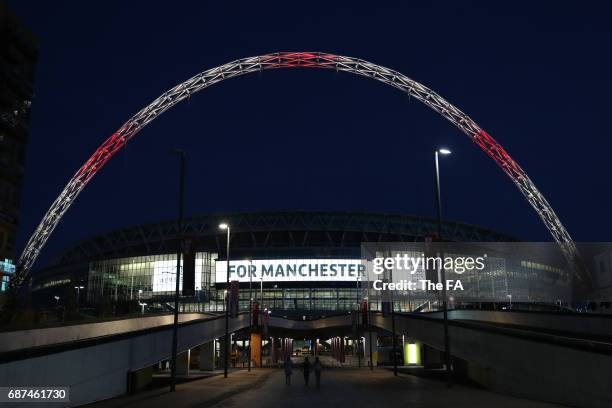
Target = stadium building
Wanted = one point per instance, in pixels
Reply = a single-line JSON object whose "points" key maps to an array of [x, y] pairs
{"points": [[305, 263]]}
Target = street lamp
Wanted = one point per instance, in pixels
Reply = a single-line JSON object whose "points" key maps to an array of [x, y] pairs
{"points": [[178, 266], [250, 309], [447, 358], [57, 298], [358, 311], [225, 226], [78, 288], [393, 332]]}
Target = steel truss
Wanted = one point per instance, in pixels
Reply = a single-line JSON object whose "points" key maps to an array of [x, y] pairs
{"points": [[289, 60]]}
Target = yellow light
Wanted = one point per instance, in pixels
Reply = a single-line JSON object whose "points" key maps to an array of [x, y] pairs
{"points": [[412, 354]]}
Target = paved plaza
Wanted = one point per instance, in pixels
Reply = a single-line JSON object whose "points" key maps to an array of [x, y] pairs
{"points": [[341, 387]]}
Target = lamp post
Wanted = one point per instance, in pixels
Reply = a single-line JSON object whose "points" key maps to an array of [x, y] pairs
{"points": [[250, 309], [78, 288], [178, 268], [142, 305], [262, 324], [369, 314], [357, 336], [447, 356], [225, 226], [270, 339], [57, 298], [394, 339]]}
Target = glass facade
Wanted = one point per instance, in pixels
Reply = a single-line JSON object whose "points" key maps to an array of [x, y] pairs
{"points": [[7, 269], [501, 280], [146, 277], [151, 280]]}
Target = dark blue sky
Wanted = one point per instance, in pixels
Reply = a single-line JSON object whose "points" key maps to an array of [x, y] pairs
{"points": [[535, 75]]}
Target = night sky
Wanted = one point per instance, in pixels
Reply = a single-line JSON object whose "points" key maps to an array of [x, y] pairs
{"points": [[535, 75]]}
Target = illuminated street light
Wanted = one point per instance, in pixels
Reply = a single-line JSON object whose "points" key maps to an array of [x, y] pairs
{"points": [[225, 226], [179, 253], [447, 356], [78, 288]]}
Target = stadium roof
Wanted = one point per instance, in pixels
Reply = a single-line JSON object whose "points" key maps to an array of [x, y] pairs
{"points": [[275, 231]]}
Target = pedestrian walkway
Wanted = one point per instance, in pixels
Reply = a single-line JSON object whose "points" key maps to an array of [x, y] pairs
{"points": [[344, 387], [201, 393], [341, 387]]}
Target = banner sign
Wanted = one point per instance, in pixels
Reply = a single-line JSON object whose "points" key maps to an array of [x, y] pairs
{"points": [[255, 314], [234, 298], [292, 270], [189, 257]]}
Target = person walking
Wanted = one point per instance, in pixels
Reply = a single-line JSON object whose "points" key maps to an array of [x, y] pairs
{"points": [[288, 370], [317, 369], [306, 369]]}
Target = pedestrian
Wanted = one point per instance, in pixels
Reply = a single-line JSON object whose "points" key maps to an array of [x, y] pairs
{"points": [[306, 369], [317, 369], [288, 370]]}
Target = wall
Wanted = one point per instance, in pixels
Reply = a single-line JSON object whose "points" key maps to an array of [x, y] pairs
{"points": [[100, 371], [520, 366]]}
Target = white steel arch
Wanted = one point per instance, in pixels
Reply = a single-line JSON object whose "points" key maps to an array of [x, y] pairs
{"points": [[290, 60]]}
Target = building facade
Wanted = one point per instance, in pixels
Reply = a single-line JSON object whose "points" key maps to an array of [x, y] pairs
{"points": [[303, 263], [17, 62]]}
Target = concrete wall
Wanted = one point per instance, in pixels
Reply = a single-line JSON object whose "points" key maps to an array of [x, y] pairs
{"points": [[100, 371], [519, 366], [207, 356], [582, 324], [183, 361], [22, 339], [506, 363]]}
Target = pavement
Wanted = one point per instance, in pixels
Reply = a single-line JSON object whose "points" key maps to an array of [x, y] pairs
{"points": [[340, 387]]}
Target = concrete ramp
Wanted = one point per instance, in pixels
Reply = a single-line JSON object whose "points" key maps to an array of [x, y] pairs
{"points": [[94, 359], [500, 350], [521, 362]]}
